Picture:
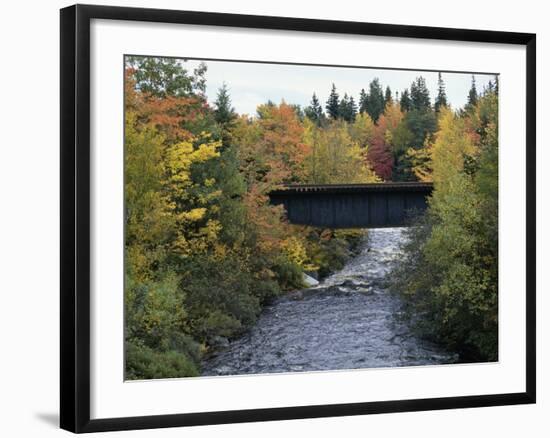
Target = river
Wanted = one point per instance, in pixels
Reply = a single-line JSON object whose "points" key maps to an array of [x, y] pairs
{"points": [[349, 321]]}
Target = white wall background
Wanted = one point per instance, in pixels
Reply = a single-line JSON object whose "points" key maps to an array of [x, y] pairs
{"points": [[29, 248]]}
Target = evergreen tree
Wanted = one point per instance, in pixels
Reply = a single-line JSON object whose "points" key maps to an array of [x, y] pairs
{"points": [[420, 96], [300, 113], [352, 109], [347, 109], [441, 99], [496, 84], [363, 101], [388, 96], [421, 120], [422, 124], [333, 103], [405, 101], [224, 113], [314, 111], [375, 100], [472, 95], [343, 108]]}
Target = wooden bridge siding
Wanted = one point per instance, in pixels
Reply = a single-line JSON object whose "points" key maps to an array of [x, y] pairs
{"points": [[397, 206], [352, 210]]}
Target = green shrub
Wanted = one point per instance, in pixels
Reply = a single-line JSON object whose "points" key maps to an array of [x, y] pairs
{"points": [[216, 324], [184, 344], [154, 309], [288, 273], [330, 250], [145, 363], [266, 290], [219, 297]]}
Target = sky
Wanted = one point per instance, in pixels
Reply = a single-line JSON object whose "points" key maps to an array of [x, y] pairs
{"points": [[251, 84]]}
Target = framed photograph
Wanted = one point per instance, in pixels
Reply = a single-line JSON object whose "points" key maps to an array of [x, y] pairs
{"points": [[268, 218]]}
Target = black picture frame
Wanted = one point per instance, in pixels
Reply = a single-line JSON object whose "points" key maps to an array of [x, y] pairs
{"points": [[75, 217]]}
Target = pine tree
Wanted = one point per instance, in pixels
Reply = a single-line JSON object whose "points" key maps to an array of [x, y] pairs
{"points": [[405, 101], [388, 96], [224, 112], [333, 103], [472, 95], [375, 100], [352, 109], [314, 111], [441, 99], [363, 101], [348, 108], [420, 96], [298, 111], [343, 107]]}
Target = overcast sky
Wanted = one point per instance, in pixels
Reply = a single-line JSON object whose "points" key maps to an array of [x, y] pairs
{"points": [[251, 84]]}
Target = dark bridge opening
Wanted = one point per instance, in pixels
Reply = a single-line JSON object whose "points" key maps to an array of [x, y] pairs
{"points": [[374, 205]]}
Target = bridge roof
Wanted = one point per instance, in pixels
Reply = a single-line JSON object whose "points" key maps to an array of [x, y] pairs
{"points": [[354, 188]]}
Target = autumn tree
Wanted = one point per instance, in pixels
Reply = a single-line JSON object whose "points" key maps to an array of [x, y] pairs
{"points": [[381, 154], [418, 163], [362, 130], [450, 265], [154, 302], [186, 221], [281, 134], [335, 157]]}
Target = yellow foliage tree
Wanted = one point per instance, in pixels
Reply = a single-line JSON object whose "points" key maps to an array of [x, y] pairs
{"points": [[453, 143], [187, 208], [362, 130], [336, 158]]}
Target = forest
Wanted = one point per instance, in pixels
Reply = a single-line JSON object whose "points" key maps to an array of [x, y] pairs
{"points": [[205, 250]]}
